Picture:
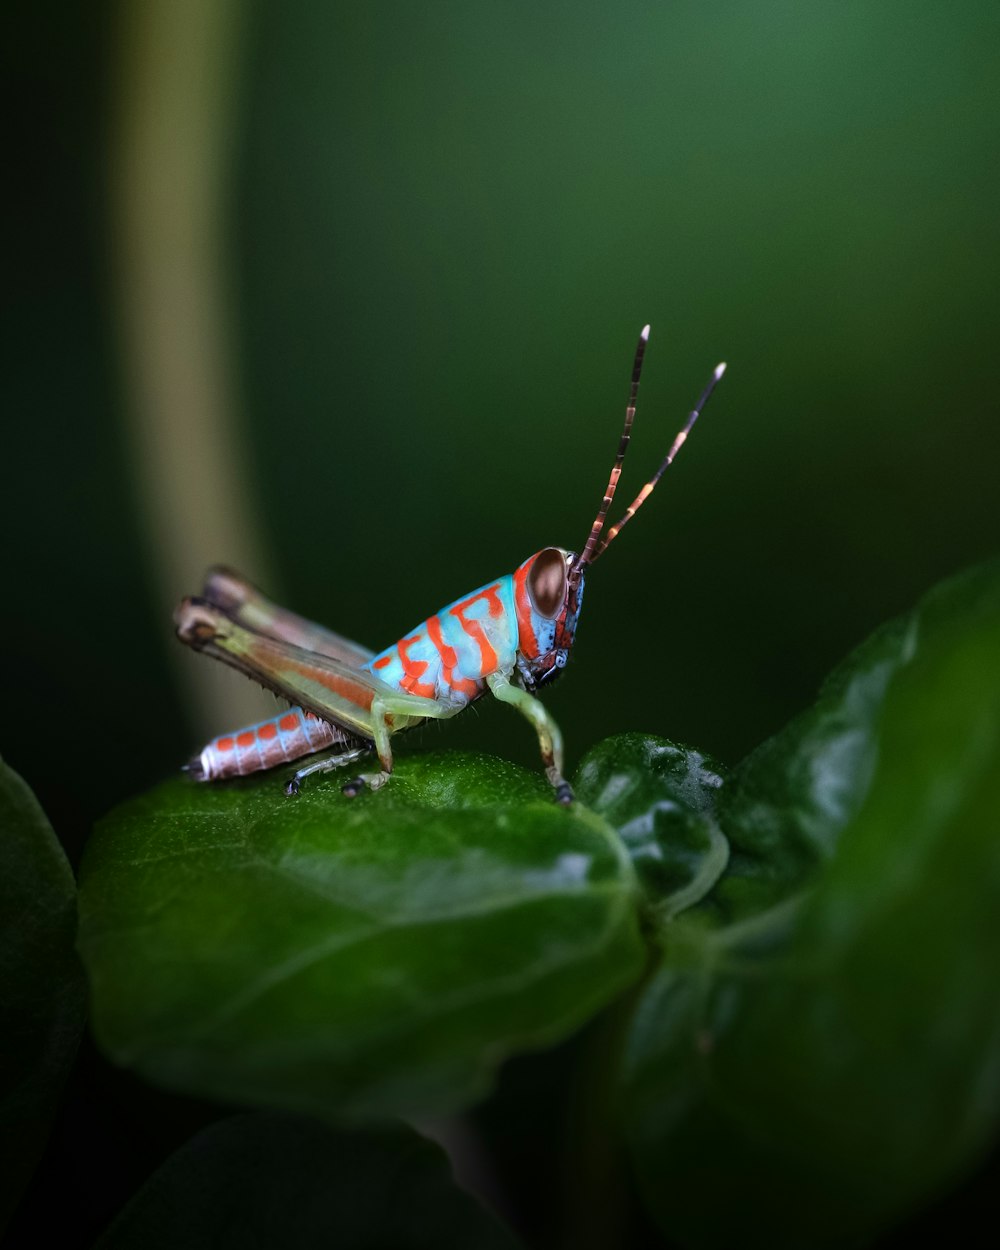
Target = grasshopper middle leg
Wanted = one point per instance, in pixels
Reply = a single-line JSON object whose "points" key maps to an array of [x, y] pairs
{"points": [[386, 707]]}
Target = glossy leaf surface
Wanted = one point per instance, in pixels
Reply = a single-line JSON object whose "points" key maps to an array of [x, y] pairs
{"points": [[41, 982], [830, 1058], [272, 1179], [371, 956], [661, 798]]}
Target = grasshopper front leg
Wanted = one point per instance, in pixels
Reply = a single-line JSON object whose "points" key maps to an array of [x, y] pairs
{"points": [[549, 735]]}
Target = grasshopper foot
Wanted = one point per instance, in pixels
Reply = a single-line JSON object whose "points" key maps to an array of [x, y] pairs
{"points": [[564, 794], [293, 788], [353, 788]]}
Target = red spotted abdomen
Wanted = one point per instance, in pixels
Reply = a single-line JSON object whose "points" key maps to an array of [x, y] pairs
{"points": [[271, 742]]}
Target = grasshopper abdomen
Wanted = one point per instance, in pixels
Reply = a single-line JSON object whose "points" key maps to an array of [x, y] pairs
{"points": [[265, 745]]}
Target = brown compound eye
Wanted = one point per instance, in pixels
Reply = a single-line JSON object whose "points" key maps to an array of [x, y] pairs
{"points": [[547, 583]]}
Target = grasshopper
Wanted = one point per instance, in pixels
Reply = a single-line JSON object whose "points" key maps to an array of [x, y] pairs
{"points": [[511, 636]]}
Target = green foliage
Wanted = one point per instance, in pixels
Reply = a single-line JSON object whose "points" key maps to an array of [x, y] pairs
{"points": [[814, 1049], [42, 988], [830, 1054], [271, 1179], [660, 797], [371, 956]]}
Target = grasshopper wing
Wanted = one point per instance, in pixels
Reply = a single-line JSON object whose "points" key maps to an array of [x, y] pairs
{"points": [[334, 690], [244, 603]]}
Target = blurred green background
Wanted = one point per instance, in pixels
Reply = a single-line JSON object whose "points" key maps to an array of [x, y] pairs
{"points": [[349, 294]]}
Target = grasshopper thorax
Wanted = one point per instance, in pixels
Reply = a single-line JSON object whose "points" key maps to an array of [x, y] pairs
{"points": [[548, 592]]}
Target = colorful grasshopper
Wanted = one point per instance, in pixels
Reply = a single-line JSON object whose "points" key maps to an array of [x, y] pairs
{"points": [[512, 635]]}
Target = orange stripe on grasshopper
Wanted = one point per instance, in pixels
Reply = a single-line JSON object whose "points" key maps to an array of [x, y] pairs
{"points": [[487, 656], [353, 692], [526, 641], [413, 670], [449, 660]]}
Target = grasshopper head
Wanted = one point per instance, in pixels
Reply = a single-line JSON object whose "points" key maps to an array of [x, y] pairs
{"points": [[548, 592]]}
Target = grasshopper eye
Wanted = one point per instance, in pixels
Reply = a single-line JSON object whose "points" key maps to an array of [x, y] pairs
{"points": [[547, 583]]}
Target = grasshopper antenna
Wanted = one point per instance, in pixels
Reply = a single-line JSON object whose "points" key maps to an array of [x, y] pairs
{"points": [[590, 551], [650, 486]]}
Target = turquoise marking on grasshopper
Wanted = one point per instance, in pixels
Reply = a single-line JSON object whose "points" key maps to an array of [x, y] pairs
{"points": [[511, 636], [497, 628], [449, 656]]}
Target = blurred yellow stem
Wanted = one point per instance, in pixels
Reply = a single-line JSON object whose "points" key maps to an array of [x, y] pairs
{"points": [[171, 170]]}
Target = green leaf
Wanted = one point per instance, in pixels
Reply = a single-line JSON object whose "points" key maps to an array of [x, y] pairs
{"points": [[784, 807], [271, 1179], [371, 956], [661, 798], [42, 991], [808, 1073]]}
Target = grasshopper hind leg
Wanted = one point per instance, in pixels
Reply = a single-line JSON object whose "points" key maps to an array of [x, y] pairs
{"points": [[326, 764]]}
